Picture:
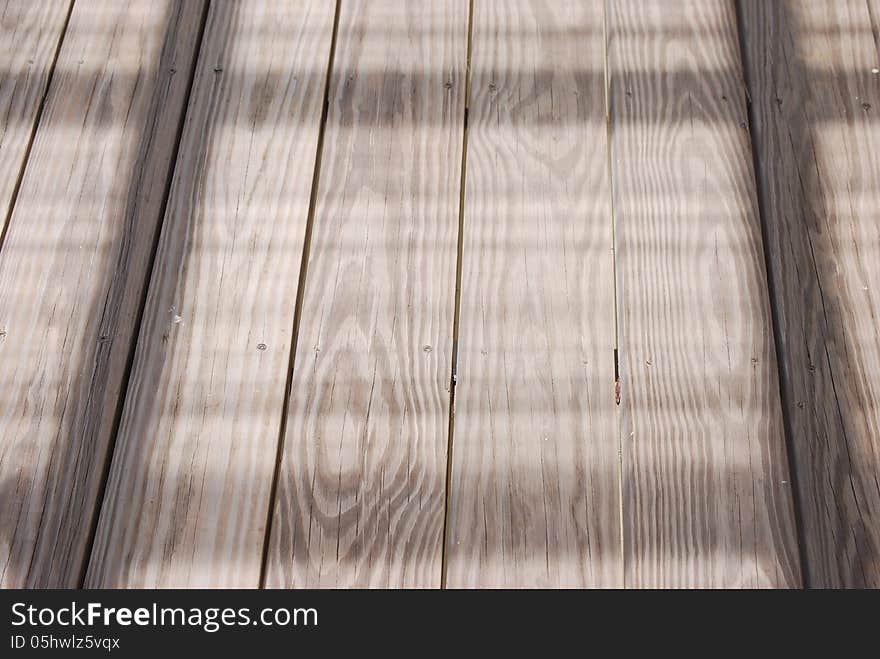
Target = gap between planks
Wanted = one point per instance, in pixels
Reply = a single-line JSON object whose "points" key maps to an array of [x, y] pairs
{"points": [[457, 310], [618, 418], [300, 294]]}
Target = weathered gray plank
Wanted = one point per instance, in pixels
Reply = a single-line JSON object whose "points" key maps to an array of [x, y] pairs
{"points": [[30, 34], [73, 269], [706, 495], [198, 437], [814, 70], [362, 483], [535, 484]]}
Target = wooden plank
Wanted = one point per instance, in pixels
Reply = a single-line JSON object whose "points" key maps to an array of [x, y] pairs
{"points": [[707, 500], [534, 489], [30, 33], [817, 127], [362, 483], [874, 11], [73, 269], [198, 437]]}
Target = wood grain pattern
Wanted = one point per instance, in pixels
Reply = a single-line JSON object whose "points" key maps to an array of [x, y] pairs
{"points": [[73, 269], [706, 495], [817, 128], [188, 495], [362, 484], [30, 32], [534, 489]]}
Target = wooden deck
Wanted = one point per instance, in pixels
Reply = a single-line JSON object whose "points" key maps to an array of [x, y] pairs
{"points": [[373, 293]]}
